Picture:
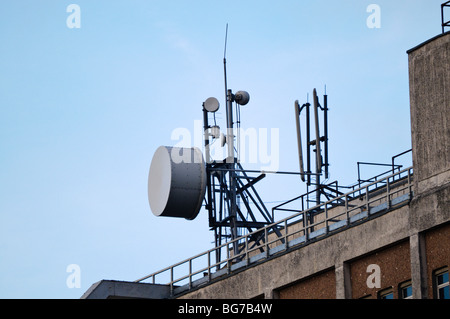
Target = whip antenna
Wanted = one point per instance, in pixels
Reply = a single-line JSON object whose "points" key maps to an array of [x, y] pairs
{"points": [[225, 63]]}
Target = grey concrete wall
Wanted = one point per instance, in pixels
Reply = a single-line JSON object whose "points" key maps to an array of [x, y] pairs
{"points": [[429, 80], [110, 289]]}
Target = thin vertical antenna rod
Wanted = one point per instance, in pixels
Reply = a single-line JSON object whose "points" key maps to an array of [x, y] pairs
{"points": [[230, 142], [229, 98], [226, 36], [228, 102], [225, 64]]}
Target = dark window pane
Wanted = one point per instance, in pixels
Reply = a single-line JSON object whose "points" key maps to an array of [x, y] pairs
{"points": [[444, 293], [442, 278], [388, 296], [406, 292]]}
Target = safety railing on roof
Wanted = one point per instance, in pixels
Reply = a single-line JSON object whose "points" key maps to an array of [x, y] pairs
{"points": [[301, 228], [445, 24]]}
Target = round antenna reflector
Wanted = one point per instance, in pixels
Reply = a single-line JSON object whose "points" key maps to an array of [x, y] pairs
{"points": [[211, 104], [242, 97], [176, 182]]}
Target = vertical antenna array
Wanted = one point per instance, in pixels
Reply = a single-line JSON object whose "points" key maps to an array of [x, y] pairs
{"points": [[321, 162]]}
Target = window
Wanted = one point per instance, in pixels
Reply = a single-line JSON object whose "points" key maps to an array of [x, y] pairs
{"points": [[442, 289], [386, 294], [405, 290]]}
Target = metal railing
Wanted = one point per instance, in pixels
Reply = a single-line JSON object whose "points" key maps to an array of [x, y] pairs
{"points": [[301, 228], [444, 23]]}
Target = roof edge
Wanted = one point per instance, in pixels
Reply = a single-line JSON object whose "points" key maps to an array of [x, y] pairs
{"points": [[428, 41]]}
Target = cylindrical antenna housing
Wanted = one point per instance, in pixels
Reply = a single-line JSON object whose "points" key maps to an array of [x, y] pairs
{"points": [[177, 182]]}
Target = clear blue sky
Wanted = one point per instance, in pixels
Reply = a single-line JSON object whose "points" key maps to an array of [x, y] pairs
{"points": [[82, 111]]}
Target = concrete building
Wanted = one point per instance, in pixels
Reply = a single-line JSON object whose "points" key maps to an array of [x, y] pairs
{"points": [[387, 239]]}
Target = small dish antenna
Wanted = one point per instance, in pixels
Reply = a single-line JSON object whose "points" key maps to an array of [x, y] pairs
{"points": [[242, 97], [211, 104]]}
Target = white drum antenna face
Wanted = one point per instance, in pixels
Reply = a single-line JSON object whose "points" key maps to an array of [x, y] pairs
{"points": [[176, 182]]}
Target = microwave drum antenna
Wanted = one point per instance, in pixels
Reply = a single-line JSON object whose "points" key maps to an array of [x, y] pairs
{"points": [[177, 182]]}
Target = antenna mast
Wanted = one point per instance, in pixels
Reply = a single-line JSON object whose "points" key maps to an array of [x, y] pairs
{"points": [[228, 182], [179, 179], [231, 160]]}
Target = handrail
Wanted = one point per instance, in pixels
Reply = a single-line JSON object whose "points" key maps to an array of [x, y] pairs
{"points": [[444, 23], [363, 207]]}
